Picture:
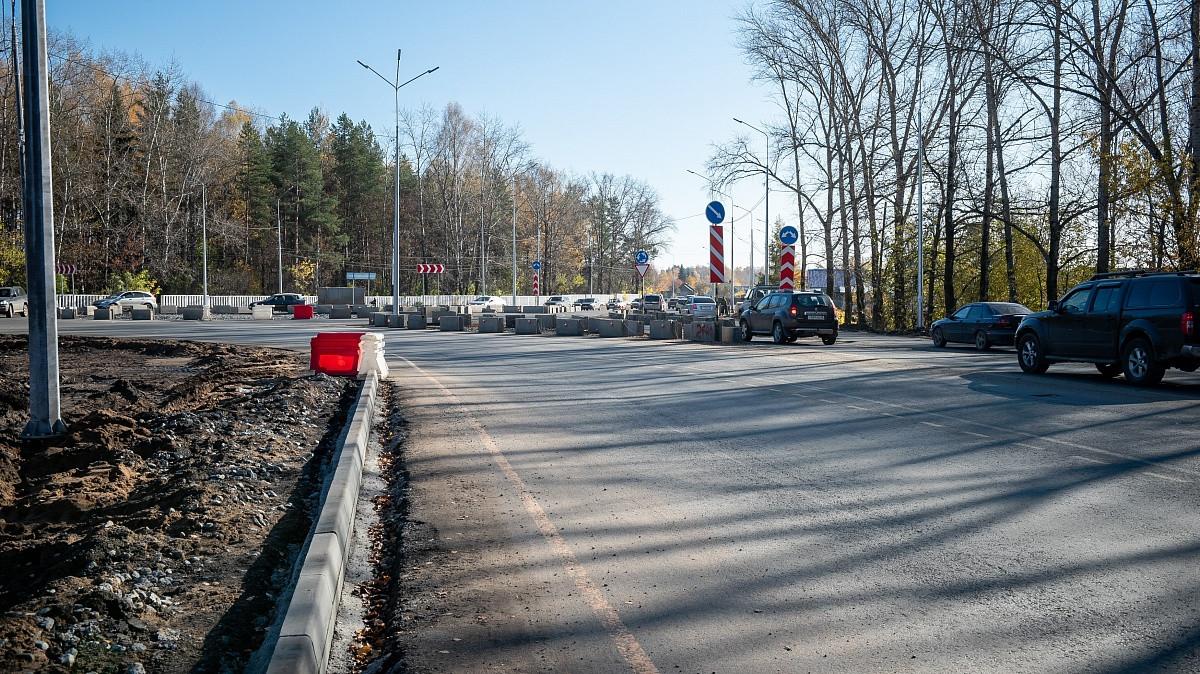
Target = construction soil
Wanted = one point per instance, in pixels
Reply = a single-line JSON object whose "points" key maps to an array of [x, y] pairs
{"points": [[161, 529]]}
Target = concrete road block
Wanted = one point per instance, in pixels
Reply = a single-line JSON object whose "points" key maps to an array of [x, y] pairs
{"points": [[663, 330], [195, 313], [547, 322], [379, 319], [491, 324], [66, 312], [417, 321], [608, 327], [634, 328], [569, 327], [700, 331], [527, 326], [168, 310], [142, 314], [262, 312], [730, 334], [340, 311], [451, 323], [103, 314]]}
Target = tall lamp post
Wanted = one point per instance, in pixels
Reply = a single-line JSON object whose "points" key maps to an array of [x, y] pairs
{"points": [[766, 205], [395, 85]]}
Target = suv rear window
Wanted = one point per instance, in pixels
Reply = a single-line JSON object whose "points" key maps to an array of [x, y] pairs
{"points": [[806, 300], [1145, 295]]}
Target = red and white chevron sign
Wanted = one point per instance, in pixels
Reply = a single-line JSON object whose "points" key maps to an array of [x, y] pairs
{"points": [[536, 284], [431, 268], [787, 268], [716, 258], [65, 269]]}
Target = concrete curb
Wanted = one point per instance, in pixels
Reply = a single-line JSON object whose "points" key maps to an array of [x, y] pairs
{"points": [[307, 629]]}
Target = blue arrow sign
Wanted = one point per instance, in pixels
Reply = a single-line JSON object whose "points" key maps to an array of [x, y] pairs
{"points": [[642, 257], [715, 212], [789, 235], [537, 264]]}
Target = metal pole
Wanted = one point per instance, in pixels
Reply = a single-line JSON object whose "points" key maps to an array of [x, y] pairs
{"points": [[514, 241], [44, 403], [279, 232], [482, 236], [920, 227], [204, 239], [396, 203]]}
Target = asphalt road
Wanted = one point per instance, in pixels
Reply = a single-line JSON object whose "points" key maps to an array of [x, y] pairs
{"points": [[877, 505]]}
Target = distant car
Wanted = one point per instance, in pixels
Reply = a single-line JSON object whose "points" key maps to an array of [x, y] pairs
{"points": [[701, 306], [636, 304], [617, 303], [128, 299], [557, 301], [752, 296], [13, 301], [654, 302], [788, 314], [673, 302], [279, 302], [587, 304], [487, 302], [980, 323]]}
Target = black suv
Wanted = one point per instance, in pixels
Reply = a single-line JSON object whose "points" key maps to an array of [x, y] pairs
{"points": [[788, 314], [1137, 323]]}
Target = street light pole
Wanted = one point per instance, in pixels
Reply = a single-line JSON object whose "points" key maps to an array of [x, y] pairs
{"points": [[766, 205], [395, 85]]}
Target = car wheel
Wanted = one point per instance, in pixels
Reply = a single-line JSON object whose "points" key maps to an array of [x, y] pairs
{"points": [[981, 341], [792, 338], [1029, 354], [747, 333], [829, 339], [778, 334], [939, 340], [1108, 369], [8, 312], [1140, 366]]}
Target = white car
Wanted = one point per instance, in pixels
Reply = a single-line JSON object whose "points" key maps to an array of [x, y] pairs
{"points": [[487, 302], [700, 306], [128, 299], [557, 301]]}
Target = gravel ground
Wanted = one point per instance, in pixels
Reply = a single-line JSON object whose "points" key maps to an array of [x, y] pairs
{"points": [[157, 534]]}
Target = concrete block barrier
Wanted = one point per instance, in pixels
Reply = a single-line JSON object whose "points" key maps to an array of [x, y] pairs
{"points": [[416, 322], [634, 328], [103, 314], [323, 309], [568, 327], [262, 312], [168, 310], [700, 331], [730, 334], [451, 323], [533, 309], [491, 324], [223, 309], [87, 310], [608, 327], [142, 314], [341, 311], [379, 319], [527, 326], [664, 330], [195, 313], [547, 322], [361, 310], [66, 312]]}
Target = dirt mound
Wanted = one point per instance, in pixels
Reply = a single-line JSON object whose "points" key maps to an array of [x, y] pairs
{"points": [[161, 527]]}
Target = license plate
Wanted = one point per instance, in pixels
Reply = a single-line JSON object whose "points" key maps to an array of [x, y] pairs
{"points": [[814, 315]]}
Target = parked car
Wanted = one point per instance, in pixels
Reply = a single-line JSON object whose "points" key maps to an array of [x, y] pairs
{"points": [[752, 296], [636, 304], [673, 302], [1133, 323], [789, 314], [557, 301], [13, 301], [655, 302], [617, 303], [980, 323], [487, 302], [128, 299], [701, 306], [587, 304], [279, 302]]}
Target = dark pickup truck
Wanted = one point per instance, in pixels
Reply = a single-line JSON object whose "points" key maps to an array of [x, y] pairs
{"points": [[1134, 323]]}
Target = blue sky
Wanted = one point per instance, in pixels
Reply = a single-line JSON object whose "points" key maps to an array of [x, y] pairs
{"points": [[640, 88]]}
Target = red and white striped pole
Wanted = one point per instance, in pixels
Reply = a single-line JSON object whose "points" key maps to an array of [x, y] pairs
{"points": [[716, 259], [787, 268], [536, 279]]}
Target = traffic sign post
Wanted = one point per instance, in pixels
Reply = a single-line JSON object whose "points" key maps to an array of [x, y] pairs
{"points": [[787, 264], [715, 212], [67, 270], [431, 268], [716, 257]]}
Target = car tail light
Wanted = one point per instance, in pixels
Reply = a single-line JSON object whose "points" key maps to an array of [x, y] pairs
{"points": [[1187, 323], [792, 311], [1005, 321]]}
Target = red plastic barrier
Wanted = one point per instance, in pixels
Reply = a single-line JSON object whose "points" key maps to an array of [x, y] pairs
{"points": [[335, 353], [302, 311]]}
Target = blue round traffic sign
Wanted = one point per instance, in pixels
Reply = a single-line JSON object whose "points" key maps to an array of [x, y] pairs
{"points": [[715, 212], [642, 257], [537, 264], [789, 235]]}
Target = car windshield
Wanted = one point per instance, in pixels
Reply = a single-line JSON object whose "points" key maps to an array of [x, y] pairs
{"points": [[1009, 308], [5, 292]]}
